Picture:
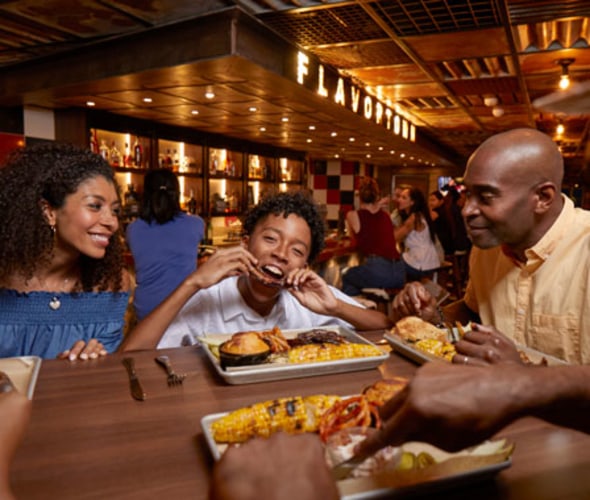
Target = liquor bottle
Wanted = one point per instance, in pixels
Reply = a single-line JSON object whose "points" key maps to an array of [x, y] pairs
{"points": [[115, 155], [168, 160], [93, 141], [192, 203], [104, 150], [127, 156], [131, 202], [137, 154], [175, 161], [213, 163]]}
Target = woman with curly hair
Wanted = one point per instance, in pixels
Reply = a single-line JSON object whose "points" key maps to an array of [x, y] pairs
{"points": [[262, 283], [63, 289]]}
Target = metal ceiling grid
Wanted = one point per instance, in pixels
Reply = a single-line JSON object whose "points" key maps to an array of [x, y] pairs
{"points": [[420, 17], [336, 25], [536, 11]]}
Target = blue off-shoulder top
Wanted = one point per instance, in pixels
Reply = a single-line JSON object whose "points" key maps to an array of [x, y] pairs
{"points": [[30, 326]]}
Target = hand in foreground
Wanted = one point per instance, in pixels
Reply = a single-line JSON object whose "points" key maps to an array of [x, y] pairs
{"points": [[281, 467], [84, 350], [449, 406], [484, 345], [15, 409], [312, 291], [415, 300], [224, 263]]}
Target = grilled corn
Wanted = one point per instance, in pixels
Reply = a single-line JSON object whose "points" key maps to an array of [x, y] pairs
{"points": [[292, 415], [311, 353]]}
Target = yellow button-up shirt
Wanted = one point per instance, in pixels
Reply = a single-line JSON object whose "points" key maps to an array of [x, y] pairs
{"points": [[543, 303]]}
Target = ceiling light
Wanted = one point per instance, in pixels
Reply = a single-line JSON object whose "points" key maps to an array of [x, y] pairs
{"points": [[308, 140], [90, 104], [336, 155], [497, 111], [490, 101], [367, 144], [351, 139], [392, 152], [311, 127], [253, 109], [564, 79], [285, 119], [147, 99], [334, 134], [560, 129], [210, 94], [262, 129], [194, 112], [368, 155]]}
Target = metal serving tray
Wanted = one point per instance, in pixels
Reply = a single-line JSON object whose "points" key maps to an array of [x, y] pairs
{"points": [[408, 350], [266, 372], [23, 371], [456, 469]]}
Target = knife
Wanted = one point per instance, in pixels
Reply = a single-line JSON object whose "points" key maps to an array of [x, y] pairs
{"points": [[136, 389]]}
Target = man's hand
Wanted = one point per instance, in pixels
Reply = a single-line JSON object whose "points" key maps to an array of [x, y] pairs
{"points": [[484, 345], [281, 467]]}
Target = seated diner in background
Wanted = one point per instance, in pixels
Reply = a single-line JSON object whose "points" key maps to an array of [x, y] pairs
{"points": [[63, 288], [262, 283], [373, 234], [530, 265]]}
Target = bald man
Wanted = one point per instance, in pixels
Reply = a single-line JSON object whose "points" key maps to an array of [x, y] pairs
{"points": [[530, 265]]}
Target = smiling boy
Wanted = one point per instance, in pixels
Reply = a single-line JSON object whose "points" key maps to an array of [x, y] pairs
{"points": [[264, 282]]}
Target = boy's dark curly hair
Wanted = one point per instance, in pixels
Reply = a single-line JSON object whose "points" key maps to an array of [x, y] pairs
{"points": [[50, 172], [298, 203]]}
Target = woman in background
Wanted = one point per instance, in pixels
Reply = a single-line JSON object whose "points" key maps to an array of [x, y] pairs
{"points": [[63, 289], [417, 235], [373, 232], [164, 241]]}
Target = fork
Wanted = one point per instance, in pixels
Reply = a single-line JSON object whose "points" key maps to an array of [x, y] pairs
{"points": [[173, 377]]}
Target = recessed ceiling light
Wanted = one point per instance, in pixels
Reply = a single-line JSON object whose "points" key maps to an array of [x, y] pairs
{"points": [[392, 152], [308, 140], [380, 148], [253, 109], [210, 95], [262, 129], [147, 99], [368, 155], [312, 127], [90, 104], [336, 155], [402, 155], [334, 134], [194, 112], [367, 144], [351, 139], [285, 119], [411, 157]]}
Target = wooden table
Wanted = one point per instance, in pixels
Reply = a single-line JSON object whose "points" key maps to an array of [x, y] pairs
{"points": [[88, 439]]}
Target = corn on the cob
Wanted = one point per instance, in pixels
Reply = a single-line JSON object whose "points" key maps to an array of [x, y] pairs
{"points": [[293, 415], [330, 352]]}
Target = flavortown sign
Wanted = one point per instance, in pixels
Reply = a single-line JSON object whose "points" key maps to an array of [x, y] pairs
{"points": [[316, 77]]}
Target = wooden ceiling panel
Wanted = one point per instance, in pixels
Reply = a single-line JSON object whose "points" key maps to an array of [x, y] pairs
{"points": [[391, 75], [460, 45]]}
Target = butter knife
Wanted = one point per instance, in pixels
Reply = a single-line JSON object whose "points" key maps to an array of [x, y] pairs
{"points": [[343, 469], [136, 389]]}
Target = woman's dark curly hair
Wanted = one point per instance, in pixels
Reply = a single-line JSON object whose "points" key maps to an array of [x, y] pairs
{"points": [[49, 172], [298, 203]]}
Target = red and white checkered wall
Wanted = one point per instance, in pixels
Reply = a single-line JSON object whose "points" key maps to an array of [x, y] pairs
{"points": [[333, 183]]}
